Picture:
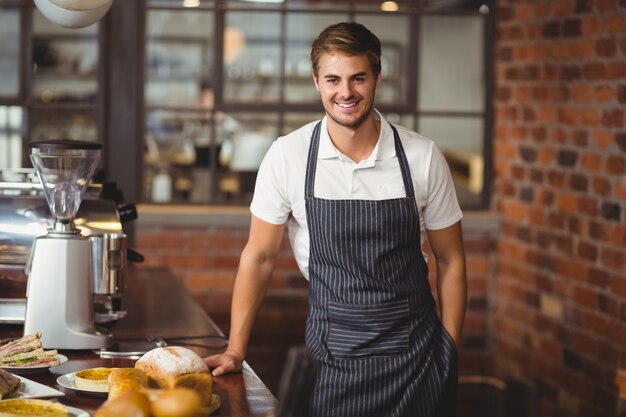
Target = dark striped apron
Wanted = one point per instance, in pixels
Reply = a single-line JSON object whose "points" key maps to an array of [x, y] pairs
{"points": [[373, 325]]}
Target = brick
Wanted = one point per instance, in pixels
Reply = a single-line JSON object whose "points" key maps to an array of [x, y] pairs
{"points": [[620, 139], [586, 297], [581, 93], [592, 25], [567, 158], [200, 280], [591, 117], [604, 94], [186, 261], [601, 186], [594, 71], [620, 382], [603, 139], [606, 47], [551, 306], [588, 205], [591, 162], [612, 259], [621, 91], [616, 165], [616, 70], [572, 27], [616, 24], [588, 251], [610, 210], [613, 118], [568, 115]]}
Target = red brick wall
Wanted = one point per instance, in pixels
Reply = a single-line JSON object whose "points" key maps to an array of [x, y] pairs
{"points": [[205, 259], [560, 189]]}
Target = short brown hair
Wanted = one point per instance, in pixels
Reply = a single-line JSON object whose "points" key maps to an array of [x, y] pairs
{"points": [[350, 38]]}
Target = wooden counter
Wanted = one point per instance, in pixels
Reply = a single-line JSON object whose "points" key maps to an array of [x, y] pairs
{"points": [[159, 307]]}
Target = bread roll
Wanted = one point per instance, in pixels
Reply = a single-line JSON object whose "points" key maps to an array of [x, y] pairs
{"points": [[122, 380], [176, 366], [127, 404], [175, 402]]}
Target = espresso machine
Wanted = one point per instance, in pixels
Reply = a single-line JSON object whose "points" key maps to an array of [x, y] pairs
{"points": [[59, 300]]}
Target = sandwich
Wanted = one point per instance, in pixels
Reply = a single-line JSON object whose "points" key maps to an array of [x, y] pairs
{"points": [[8, 384], [27, 351]]}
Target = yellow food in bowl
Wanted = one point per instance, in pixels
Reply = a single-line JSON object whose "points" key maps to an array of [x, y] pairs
{"points": [[32, 407], [94, 379]]}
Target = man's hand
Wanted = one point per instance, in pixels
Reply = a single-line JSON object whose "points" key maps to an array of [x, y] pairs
{"points": [[224, 363]]}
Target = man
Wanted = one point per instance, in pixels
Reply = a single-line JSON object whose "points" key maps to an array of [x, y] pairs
{"points": [[358, 196]]}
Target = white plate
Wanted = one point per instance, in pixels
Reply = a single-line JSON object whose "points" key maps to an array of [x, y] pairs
{"points": [[23, 370], [32, 389], [77, 412], [68, 381]]}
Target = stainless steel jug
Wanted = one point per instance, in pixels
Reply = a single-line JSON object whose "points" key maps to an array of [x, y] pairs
{"points": [[109, 263]]}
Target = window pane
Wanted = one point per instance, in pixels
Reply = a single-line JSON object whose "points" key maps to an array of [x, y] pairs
{"points": [[460, 139], [242, 153], [451, 76], [252, 57], [393, 32], [63, 124], [10, 137], [9, 51], [179, 57], [302, 29], [65, 62]]}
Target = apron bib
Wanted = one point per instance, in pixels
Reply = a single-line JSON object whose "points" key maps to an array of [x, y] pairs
{"points": [[373, 326]]}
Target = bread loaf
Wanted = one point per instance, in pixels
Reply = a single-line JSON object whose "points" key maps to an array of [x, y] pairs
{"points": [[176, 366], [127, 404], [122, 380]]}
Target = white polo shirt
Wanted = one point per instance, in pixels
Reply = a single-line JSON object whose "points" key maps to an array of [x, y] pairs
{"points": [[279, 191]]}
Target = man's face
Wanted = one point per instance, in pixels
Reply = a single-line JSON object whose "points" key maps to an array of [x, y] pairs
{"points": [[347, 88]]}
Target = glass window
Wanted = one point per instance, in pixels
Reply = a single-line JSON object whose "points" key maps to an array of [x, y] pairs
{"points": [[461, 142], [301, 30], [51, 123], [9, 52], [10, 137], [394, 34], [451, 76], [211, 117], [65, 62], [252, 57], [179, 57]]}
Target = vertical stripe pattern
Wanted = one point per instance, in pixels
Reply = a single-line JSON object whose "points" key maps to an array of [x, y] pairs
{"points": [[372, 325]]}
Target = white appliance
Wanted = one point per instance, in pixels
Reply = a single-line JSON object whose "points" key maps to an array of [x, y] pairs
{"points": [[59, 301]]}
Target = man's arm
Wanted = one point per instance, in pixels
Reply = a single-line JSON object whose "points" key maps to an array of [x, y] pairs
{"points": [[447, 247], [251, 283]]}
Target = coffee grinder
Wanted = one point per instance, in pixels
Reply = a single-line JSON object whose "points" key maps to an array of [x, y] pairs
{"points": [[59, 301]]}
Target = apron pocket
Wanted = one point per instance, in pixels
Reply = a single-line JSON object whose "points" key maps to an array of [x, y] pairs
{"points": [[364, 330]]}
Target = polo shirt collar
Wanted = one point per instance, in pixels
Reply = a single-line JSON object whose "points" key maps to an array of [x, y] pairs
{"points": [[384, 149]]}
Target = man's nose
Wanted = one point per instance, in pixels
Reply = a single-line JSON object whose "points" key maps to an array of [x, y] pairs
{"points": [[345, 89]]}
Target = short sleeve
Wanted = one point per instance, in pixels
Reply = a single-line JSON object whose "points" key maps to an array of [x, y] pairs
{"points": [[442, 207], [270, 202]]}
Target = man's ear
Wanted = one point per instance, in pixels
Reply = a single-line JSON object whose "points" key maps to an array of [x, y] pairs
{"points": [[315, 82]]}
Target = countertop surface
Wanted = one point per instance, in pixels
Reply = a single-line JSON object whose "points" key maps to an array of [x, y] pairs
{"points": [[159, 307]]}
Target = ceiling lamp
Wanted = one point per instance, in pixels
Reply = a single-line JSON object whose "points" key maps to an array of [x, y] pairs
{"points": [[389, 6], [73, 13]]}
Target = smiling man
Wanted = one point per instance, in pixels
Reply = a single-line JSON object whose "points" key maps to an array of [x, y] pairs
{"points": [[359, 197]]}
